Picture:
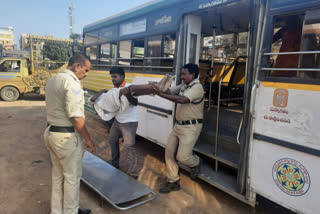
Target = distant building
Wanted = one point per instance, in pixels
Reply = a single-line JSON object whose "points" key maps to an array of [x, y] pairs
{"points": [[38, 43], [6, 37]]}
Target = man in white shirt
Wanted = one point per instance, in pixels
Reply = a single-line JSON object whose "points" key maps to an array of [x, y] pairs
{"points": [[125, 124]]}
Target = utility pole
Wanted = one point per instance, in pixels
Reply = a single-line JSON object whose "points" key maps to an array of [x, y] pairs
{"points": [[70, 18]]}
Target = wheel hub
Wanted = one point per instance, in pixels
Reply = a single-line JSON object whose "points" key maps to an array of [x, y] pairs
{"points": [[9, 93]]}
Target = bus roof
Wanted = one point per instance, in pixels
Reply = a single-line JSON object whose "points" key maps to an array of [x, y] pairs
{"points": [[157, 7], [154, 5]]}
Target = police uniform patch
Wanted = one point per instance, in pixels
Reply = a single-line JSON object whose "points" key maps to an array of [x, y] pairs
{"points": [[291, 177]]}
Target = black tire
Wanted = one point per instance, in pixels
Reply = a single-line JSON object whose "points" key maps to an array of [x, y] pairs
{"points": [[9, 93]]}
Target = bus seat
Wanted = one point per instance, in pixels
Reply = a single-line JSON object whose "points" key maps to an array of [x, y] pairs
{"points": [[204, 70], [138, 62], [218, 71], [239, 75], [166, 63]]}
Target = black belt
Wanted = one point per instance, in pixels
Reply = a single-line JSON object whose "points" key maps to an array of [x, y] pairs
{"points": [[61, 129], [189, 122]]}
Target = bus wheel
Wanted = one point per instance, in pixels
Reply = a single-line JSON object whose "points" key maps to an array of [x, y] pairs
{"points": [[9, 93]]}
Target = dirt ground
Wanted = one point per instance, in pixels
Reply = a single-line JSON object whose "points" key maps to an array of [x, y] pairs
{"points": [[25, 176]]}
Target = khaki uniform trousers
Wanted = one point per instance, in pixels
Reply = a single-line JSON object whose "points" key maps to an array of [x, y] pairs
{"points": [[66, 152], [180, 144]]}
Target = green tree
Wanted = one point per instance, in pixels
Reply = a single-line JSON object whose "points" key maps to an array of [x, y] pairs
{"points": [[75, 36], [57, 51]]}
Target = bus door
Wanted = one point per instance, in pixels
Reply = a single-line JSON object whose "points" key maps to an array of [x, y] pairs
{"points": [[285, 150], [218, 44]]}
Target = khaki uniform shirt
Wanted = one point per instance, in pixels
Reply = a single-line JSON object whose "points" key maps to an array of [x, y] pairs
{"points": [[64, 98], [194, 92]]}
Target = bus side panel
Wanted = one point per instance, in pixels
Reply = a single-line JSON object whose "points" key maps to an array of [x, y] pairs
{"points": [[97, 80], [156, 123], [288, 114], [271, 179], [284, 153]]}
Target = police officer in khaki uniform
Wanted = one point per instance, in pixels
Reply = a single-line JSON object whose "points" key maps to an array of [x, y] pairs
{"points": [[189, 114], [66, 134]]}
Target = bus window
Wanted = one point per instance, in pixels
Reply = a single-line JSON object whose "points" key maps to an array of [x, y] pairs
{"points": [[154, 53], [114, 50], [91, 37], [91, 52], [193, 48], [105, 54], [169, 44], [242, 44], [125, 53], [310, 42], [287, 38], [298, 33], [138, 54], [138, 48], [227, 47]]}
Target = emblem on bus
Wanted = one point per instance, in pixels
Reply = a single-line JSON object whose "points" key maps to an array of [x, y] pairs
{"points": [[280, 98], [291, 177]]}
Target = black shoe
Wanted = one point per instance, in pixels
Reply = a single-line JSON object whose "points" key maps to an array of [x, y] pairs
{"points": [[195, 171], [115, 165], [170, 187], [133, 175], [84, 211]]}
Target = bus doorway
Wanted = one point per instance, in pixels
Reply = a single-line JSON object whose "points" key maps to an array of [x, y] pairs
{"points": [[217, 40]]}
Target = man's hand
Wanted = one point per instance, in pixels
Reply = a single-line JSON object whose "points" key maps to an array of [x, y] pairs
{"points": [[90, 146], [156, 89], [79, 125], [104, 90], [124, 91]]}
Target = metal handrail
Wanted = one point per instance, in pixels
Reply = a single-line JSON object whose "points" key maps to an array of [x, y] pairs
{"points": [[219, 100], [290, 53], [133, 66], [120, 58], [239, 131], [290, 69], [212, 67], [232, 99], [253, 91], [218, 106]]}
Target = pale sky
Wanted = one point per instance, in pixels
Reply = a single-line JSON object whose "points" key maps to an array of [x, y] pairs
{"points": [[50, 17]]}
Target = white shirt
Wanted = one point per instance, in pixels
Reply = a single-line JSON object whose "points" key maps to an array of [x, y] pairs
{"points": [[108, 106], [64, 98], [131, 114]]}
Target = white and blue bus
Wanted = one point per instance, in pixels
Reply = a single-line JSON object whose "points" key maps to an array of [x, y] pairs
{"points": [[259, 63]]}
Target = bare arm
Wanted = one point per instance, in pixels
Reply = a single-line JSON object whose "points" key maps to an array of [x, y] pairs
{"points": [[79, 125], [173, 98]]}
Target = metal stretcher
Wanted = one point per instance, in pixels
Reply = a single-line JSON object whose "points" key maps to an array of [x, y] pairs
{"points": [[113, 185]]}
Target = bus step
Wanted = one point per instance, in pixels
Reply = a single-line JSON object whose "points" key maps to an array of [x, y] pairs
{"points": [[221, 179], [224, 155]]}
